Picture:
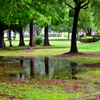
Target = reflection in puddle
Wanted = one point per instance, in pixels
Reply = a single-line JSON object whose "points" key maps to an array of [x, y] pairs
{"points": [[32, 68], [47, 65], [74, 71], [44, 68]]}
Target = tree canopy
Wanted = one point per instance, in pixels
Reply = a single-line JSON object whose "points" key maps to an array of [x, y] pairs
{"points": [[60, 13]]}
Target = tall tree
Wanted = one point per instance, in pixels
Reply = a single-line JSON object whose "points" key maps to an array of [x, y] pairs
{"points": [[32, 43], [21, 38], [79, 4], [11, 13], [2, 44], [46, 40], [58, 19]]}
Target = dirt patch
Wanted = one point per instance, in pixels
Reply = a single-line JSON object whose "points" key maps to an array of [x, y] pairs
{"points": [[92, 65], [29, 50], [88, 54], [26, 50]]}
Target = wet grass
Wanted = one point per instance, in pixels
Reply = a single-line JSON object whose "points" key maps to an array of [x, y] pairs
{"points": [[87, 87], [30, 91]]}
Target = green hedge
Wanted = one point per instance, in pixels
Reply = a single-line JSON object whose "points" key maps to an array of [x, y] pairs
{"points": [[53, 35], [88, 39]]}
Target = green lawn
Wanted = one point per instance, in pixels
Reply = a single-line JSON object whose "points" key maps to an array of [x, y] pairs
{"points": [[86, 88]]}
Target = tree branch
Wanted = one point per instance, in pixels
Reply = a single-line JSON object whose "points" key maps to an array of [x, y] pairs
{"points": [[85, 30], [85, 8], [85, 4], [69, 6]]}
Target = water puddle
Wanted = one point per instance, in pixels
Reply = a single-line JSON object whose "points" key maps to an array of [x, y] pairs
{"points": [[38, 68]]}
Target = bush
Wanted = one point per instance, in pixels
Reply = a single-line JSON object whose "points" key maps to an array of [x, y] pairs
{"points": [[88, 39], [39, 40]]}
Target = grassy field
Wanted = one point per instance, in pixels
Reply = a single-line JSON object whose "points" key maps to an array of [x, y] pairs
{"points": [[86, 88], [56, 48]]}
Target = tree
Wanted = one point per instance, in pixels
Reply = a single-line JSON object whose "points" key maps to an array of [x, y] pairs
{"points": [[79, 4], [43, 12], [21, 38], [10, 14], [46, 40], [86, 21], [3, 19], [57, 20], [2, 44], [37, 9], [32, 43]]}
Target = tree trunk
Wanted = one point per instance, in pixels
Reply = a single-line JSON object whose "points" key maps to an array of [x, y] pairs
{"points": [[32, 43], [10, 37], [46, 40], [21, 38], [74, 31], [68, 35], [37, 33], [2, 44], [32, 68], [89, 31], [47, 65], [14, 36]]}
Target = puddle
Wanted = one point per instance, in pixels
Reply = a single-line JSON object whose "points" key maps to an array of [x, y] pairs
{"points": [[38, 68]]}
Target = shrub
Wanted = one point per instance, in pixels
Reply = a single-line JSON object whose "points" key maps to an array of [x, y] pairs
{"points": [[39, 40], [88, 39]]}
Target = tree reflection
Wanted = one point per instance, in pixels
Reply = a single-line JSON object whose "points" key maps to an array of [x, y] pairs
{"points": [[47, 65], [20, 74], [32, 68], [74, 71], [21, 62]]}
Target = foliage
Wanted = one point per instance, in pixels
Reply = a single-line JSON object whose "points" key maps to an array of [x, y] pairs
{"points": [[39, 40], [88, 39], [86, 20]]}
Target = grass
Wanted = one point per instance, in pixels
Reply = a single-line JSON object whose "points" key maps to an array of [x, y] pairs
{"points": [[34, 92], [87, 86], [57, 48]]}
